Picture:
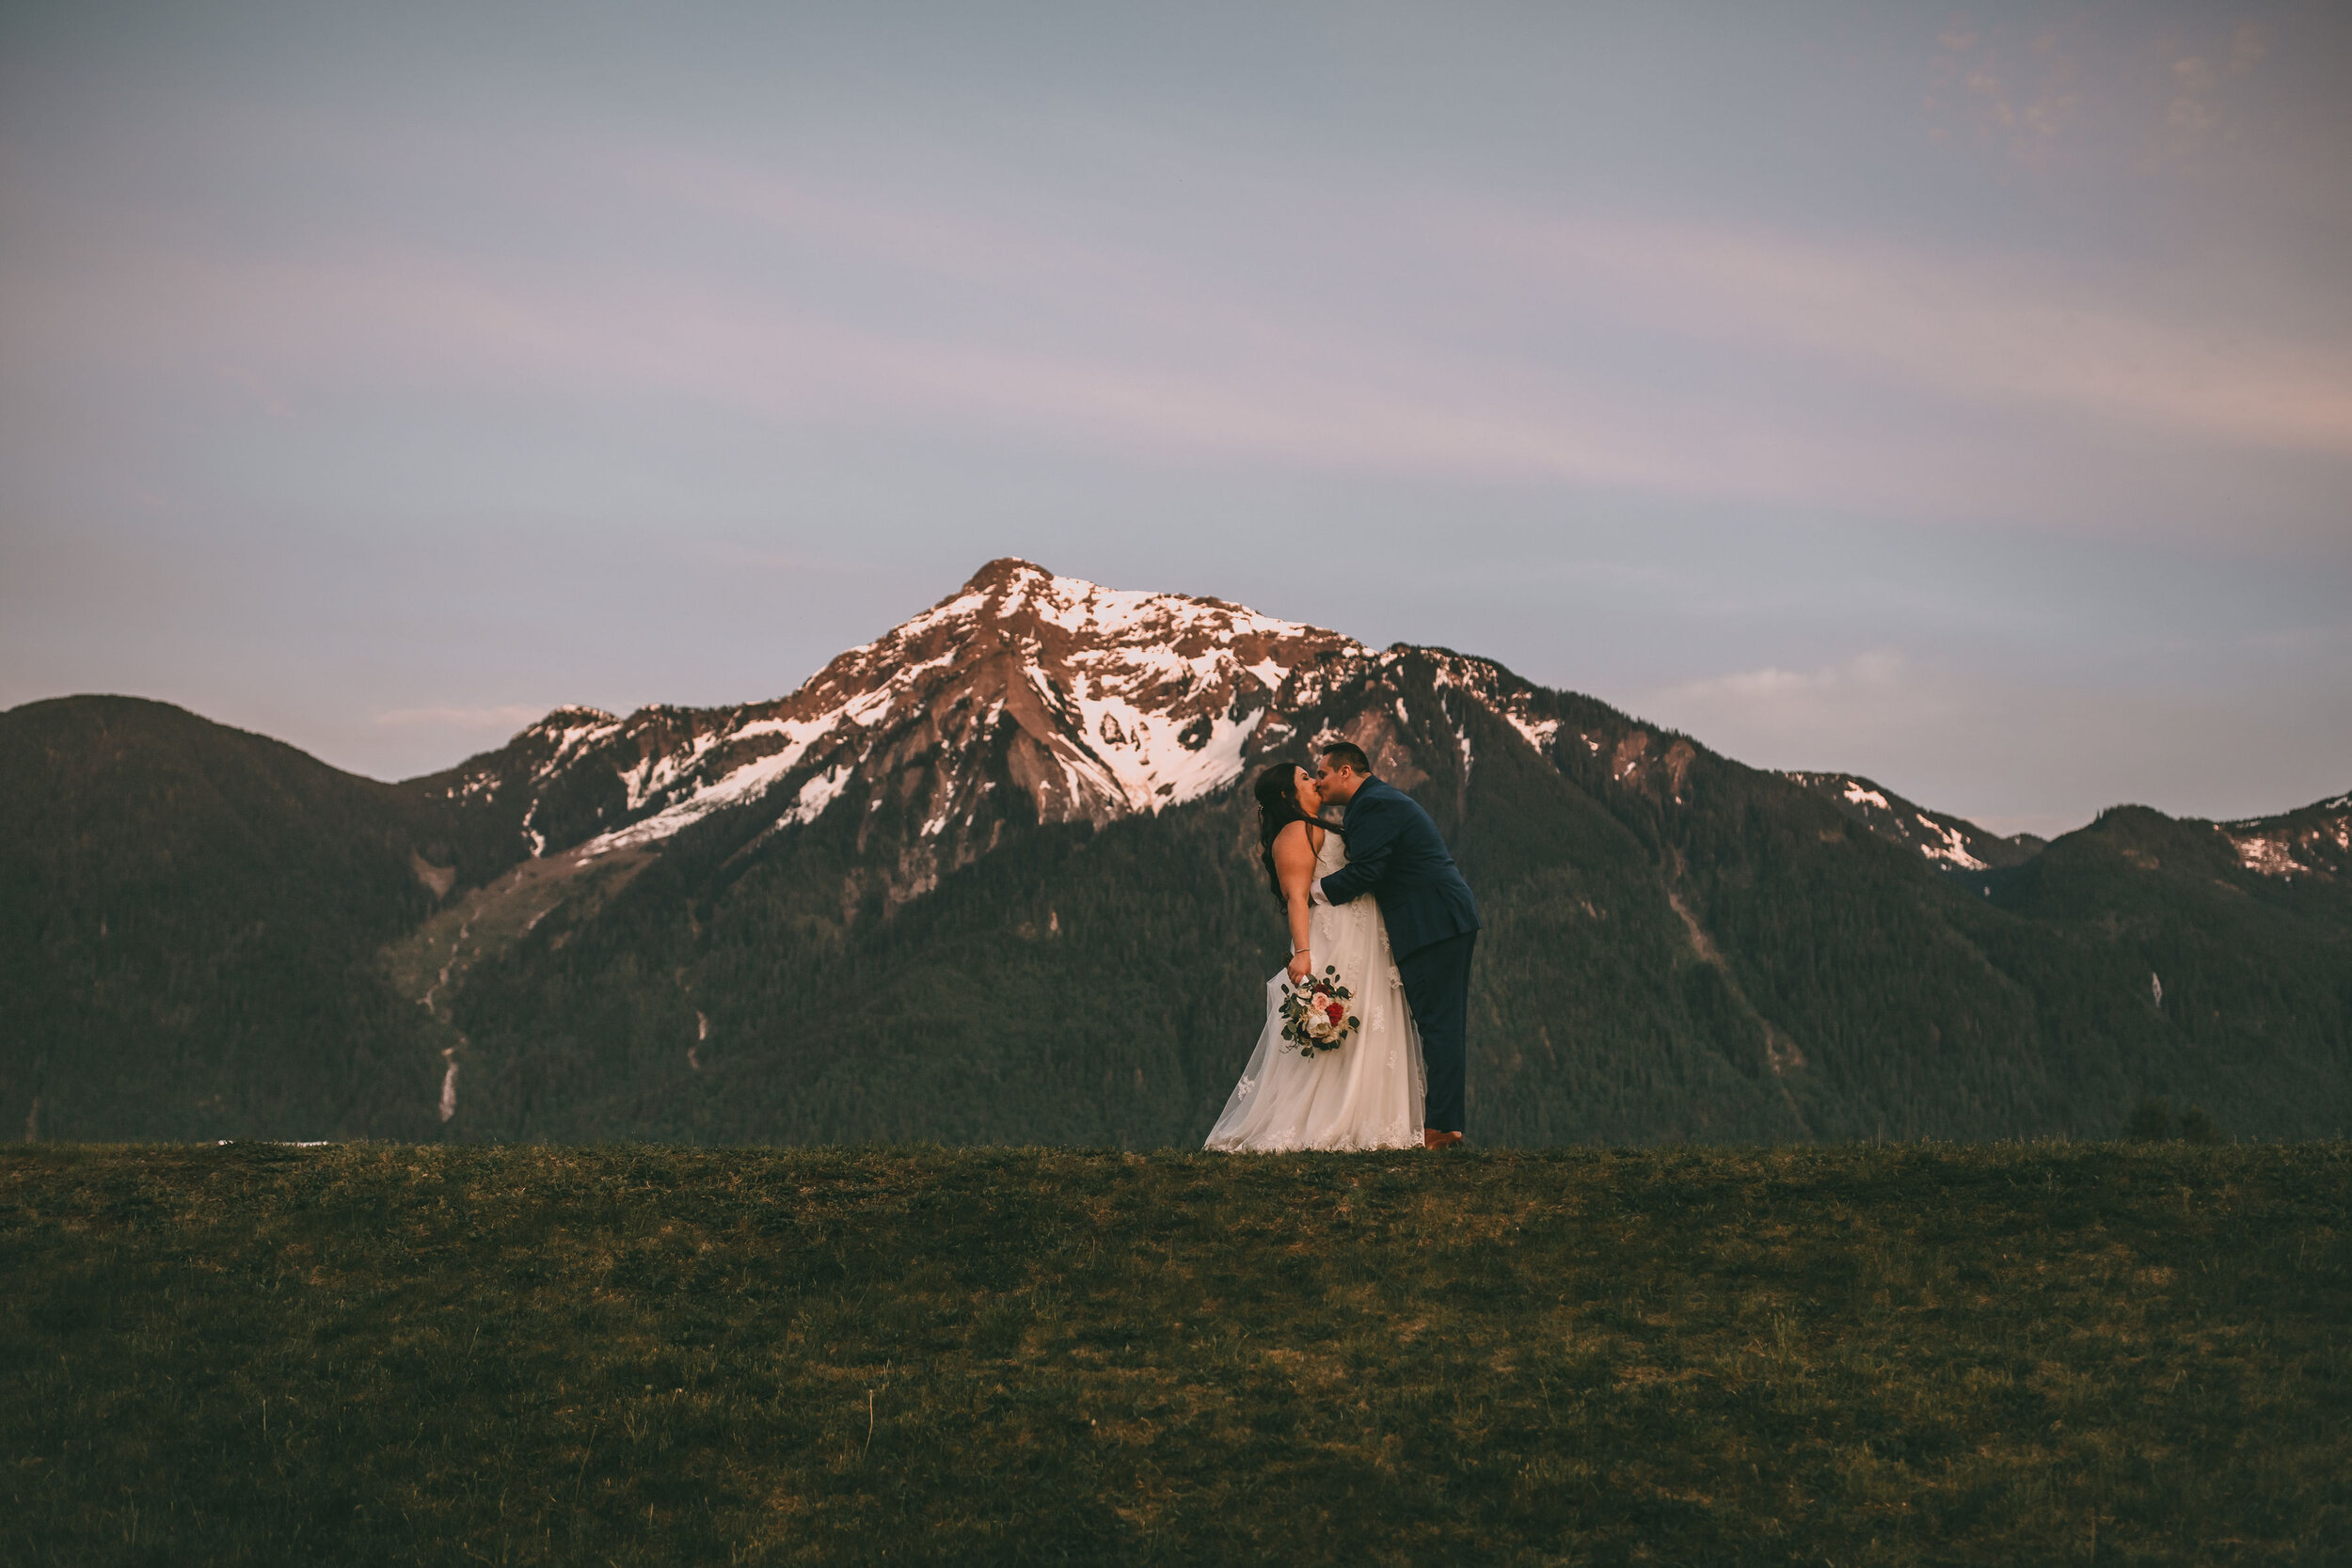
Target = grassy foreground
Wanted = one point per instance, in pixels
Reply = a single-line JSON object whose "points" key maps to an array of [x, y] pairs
{"points": [[393, 1354]]}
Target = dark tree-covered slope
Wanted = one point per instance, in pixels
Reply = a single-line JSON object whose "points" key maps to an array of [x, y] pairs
{"points": [[189, 922]]}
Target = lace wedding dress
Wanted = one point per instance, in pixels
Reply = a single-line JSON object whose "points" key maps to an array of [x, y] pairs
{"points": [[1365, 1095]]}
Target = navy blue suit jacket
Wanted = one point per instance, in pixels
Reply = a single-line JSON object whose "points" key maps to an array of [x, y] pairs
{"points": [[1394, 853]]}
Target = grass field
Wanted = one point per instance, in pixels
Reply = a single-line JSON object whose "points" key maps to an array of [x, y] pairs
{"points": [[390, 1353]]}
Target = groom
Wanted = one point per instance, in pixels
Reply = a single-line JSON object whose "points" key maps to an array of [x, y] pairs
{"points": [[1394, 853]]}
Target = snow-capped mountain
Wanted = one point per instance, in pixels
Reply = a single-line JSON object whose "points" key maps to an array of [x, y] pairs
{"points": [[1090, 702], [1028, 696], [1023, 695], [1023, 700]]}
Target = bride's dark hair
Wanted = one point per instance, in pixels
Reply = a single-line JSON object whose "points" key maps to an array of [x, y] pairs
{"points": [[1277, 807]]}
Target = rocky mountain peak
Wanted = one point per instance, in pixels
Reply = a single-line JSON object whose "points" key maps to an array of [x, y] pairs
{"points": [[1001, 571], [1093, 703], [1061, 614]]}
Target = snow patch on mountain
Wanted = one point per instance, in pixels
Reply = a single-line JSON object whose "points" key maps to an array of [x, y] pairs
{"points": [[1149, 761], [731, 788], [1537, 733], [1946, 844], [2313, 841], [815, 796], [1946, 841], [1486, 682], [2267, 856], [568, 731]]}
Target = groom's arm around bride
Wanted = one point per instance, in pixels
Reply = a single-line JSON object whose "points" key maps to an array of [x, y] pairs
{"points": [[1395, 853]]}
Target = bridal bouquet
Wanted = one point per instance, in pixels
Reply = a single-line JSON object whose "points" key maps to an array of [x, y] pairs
{"points": [[1315, 1016]]}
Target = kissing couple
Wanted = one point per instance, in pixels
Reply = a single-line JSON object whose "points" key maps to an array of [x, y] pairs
{"points": [[1381, 928]]}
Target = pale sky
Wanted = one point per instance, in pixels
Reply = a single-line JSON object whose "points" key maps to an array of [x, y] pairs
{"points": [[1959, 395]]}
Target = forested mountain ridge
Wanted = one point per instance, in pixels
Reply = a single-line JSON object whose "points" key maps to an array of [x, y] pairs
{"points": [[1955, 843], [990, 878]]}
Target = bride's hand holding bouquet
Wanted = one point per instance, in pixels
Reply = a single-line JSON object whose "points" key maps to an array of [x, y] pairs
{"points": [[1316, 1016]]}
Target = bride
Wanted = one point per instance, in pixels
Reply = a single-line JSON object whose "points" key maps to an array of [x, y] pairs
{"points": [[1368, 1093]]}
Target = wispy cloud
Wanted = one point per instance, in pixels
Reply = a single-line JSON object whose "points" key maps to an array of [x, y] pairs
{"points": [[1874, 674], [1273, 315], [1339, 403], [2002, 329]]}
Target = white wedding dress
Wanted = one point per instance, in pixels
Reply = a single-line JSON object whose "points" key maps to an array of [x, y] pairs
{"points": [[1365, 1095]]}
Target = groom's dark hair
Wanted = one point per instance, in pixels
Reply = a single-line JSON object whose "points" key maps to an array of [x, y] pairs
{"points": [[1346, 753]]}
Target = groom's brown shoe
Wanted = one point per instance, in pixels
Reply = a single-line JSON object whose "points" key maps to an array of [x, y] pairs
{"points": [[1432, 1138]]}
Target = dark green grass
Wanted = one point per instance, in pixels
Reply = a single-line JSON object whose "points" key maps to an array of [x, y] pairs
{"points": [[390, 1353]]}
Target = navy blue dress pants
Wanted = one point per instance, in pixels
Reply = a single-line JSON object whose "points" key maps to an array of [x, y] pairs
{"points": [[1437, 987]]}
